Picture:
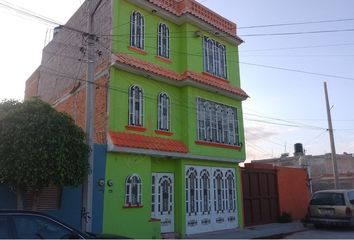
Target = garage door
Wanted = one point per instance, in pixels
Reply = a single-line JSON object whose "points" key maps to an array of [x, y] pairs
{"points": [[210, 199]]}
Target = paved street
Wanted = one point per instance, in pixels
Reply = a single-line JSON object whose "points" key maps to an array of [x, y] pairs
{"points": [[325, 233]]}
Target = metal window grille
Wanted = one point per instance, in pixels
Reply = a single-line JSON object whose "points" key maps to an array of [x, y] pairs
{"points": [[137, 29], [135, 106], [163, 41]]}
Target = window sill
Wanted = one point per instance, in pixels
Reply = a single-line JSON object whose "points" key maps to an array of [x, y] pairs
{"points": [[137, 50], [163, 59], [133, 206], [162, 132], [214, 76], [135, 128], [154, 220], [221, 145]]}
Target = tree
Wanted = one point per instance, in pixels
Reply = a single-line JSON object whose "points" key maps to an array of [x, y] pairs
{"points": [[39, 147]]}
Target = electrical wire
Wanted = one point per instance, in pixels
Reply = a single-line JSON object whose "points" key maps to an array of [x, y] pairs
{"points": [[28, 13], [299, 47], [296, 23], [297, 33], [252, 64]]}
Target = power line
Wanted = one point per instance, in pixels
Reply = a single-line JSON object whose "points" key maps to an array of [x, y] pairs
{"points": [[27, 12], [297, 23], [298, 71], [299, 47], [251, 64], [297, 33], [152, 34], [281, 124], [286, 121], [190, 110]]}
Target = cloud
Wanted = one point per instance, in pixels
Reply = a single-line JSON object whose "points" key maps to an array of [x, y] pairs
{"points": [[256, 133]]}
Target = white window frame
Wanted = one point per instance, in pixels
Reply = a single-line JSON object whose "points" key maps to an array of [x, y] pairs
{"points": [[133, 199], [136, 106], [137, 30], [214, 57], [217, 123], [192, 187], [163, 112], [205, 197], [163, 41], [230, 193]]}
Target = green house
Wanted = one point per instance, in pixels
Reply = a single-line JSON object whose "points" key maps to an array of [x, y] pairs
{"points": [[175, 127]]}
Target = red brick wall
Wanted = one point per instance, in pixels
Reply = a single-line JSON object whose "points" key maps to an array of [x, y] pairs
{"points": [[293, 191], [75, 104]]}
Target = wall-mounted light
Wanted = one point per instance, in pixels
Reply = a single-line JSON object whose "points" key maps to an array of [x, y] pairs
{"points": [[198, 34], [100, 182], [110, 183]]}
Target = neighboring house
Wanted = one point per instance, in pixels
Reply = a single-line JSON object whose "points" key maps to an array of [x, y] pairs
{"points": [[168, 119], [320, 168]]}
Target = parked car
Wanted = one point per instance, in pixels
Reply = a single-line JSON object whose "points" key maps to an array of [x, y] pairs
{"points": [[332, 207], [16, 224]]}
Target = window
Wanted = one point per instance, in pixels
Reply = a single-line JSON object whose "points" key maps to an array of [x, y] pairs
{"points": [[135, 106], [163, 41], [214, 55], [217, 123], [205, 191], [137, 30], [48, 198], [191, 192], [29, 227], [163, 118], [351, 197], [132, 191], [230, 191], [219, 204]]}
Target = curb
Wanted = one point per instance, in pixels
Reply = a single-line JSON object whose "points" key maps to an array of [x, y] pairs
{"points": [[280, 235]]}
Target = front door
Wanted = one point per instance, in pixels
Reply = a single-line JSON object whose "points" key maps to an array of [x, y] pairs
{"points": [[163, 200], [210, 199]]}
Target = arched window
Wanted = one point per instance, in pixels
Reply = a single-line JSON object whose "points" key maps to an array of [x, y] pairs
{"points": [[221, 66], [191, 191], [133, 190], [217, 123], [207, 117], [201, 120], [213, 123], [210, 56], [205, 191], [225, 125], [230, 191], [219, 197], [231, 127], [163, 41], [137, 30], [135, 106], [214, 57], [163, 118]]}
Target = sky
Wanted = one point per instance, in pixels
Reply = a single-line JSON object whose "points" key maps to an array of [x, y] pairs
{"points": [[282, 72]]}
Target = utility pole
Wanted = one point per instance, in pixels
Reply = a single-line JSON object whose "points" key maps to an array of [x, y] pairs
{"points": [[86, 220], [331, 138]]}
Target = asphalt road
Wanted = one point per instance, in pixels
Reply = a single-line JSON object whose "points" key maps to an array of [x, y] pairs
{"points": [[324, 233]]}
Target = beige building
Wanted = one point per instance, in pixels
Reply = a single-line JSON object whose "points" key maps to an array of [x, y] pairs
{"points": [[319, 167]]}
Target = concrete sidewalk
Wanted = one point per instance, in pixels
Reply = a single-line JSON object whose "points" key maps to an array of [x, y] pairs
{"points": [[272, 230]]}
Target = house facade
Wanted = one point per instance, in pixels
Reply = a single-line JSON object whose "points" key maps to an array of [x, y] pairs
{"points": [[168, 115]]}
